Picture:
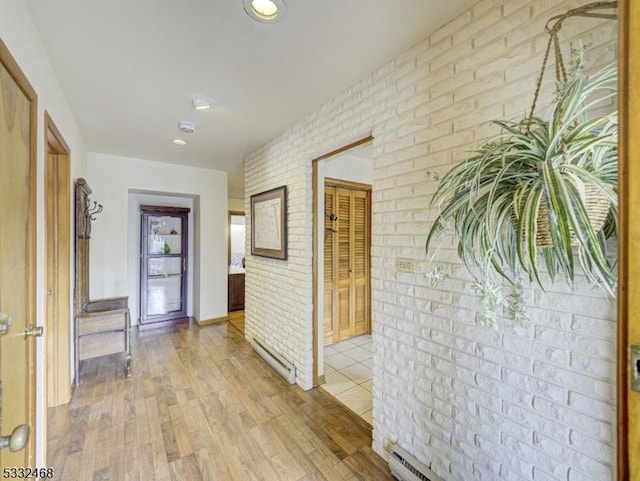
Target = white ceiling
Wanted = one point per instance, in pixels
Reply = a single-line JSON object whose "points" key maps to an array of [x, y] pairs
{"points": [[129, 68]]}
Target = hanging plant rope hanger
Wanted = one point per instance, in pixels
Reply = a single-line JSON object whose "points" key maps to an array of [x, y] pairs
{"points": [[535, 177], [554, 39], [596, 202]]}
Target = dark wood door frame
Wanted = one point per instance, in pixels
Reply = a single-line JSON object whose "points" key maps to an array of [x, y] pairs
{"points": [[174, 317]]}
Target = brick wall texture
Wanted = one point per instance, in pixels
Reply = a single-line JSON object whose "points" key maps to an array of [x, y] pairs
{"points": [[530, 402]]}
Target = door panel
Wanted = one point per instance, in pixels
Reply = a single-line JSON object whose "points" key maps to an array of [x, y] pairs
{"points": [[344, 264], [347, 263], [329, 236], [361, 260], [633, 154], [17, 256], [360, 307], [344, 315], [58, 277], [629, 242]]}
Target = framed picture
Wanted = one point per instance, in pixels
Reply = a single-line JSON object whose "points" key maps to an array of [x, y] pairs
{"points": [[269, 223]]}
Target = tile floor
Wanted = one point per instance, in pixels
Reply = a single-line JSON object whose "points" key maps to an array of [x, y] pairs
{"points": [[347, 370]]}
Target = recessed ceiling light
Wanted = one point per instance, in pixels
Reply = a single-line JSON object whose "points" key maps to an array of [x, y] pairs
{"points": [[200, 103], [187, 127], [264, 7], [265, 11], [179, 142]]}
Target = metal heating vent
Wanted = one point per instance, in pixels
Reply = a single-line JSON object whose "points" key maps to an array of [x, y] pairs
{"points": [[405, 467], [275, 360]]}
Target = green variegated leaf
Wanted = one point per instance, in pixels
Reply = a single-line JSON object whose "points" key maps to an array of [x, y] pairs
{"points": [[494, 197]]}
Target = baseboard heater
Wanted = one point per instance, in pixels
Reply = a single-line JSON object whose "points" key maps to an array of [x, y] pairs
{"points": [[405, 467], [275, 360]]}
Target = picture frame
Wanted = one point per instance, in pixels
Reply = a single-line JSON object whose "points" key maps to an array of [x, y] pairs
{"points": [[269, 223]]}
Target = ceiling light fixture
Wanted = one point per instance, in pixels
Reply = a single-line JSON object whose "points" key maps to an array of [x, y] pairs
{"points": [[265, 11], [187, 127], [200, 103], [179, 142]]}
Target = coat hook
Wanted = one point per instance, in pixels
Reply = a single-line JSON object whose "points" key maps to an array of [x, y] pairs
{"points": [[91, 212]]}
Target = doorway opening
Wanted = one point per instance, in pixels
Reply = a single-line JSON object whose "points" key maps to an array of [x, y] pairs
{"points": [[236, 263], [136, 199], [343, 349], [58, 266]]}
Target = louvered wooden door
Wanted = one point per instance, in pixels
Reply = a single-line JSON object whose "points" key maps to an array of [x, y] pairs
{"points": [[346, 263]]}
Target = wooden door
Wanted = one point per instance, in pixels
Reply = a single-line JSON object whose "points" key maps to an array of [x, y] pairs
{"points": [[57, 266], [17, 255], [347, 310], [330, 231], [629, 244]]}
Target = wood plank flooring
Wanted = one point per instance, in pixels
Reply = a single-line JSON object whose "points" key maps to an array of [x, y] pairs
{"points": [[236, 319], [202, 406]]}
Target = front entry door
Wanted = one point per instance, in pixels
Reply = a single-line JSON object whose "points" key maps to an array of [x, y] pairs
{"points": [[17, 263], [347, 310]]}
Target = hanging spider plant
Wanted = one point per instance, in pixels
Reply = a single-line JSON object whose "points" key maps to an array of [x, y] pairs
{"points": [[537, 175]]}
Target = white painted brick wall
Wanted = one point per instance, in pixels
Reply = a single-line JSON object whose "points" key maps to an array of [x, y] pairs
{"points": [[533, 402]]}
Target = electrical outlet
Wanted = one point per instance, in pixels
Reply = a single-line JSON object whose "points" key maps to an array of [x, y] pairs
{"points": [[405, 265]]}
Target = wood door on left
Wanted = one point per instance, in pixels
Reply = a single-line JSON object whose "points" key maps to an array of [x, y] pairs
{"points": [[17, 256], [629, 244]]}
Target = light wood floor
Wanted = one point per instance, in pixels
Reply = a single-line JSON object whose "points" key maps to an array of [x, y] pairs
{"points": [[202, 406], [236, 319]]}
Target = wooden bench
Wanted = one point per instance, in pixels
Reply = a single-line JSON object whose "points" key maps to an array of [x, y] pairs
{"points": [[102, 326], [103, 329]]}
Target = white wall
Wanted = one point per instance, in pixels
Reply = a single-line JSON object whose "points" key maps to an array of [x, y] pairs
{"points": [[111, 179], [19, 35], [346, 167], [354, 168], [133, 246], [535, 402], [236, 204], [238, 237]]}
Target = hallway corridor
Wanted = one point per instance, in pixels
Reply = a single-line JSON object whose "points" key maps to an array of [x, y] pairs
{"points": [[202, 406]]}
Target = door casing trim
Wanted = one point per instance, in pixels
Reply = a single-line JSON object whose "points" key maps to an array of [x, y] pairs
{"points": [[314, 190], [57, 266]]}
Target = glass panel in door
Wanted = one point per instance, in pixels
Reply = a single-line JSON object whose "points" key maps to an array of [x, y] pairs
{"points": [[165, 236], [164, 287]]}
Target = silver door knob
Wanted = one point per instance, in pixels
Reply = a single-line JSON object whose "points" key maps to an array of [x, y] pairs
{"points": [[17, 440], [33, 331], [5, 323]]}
